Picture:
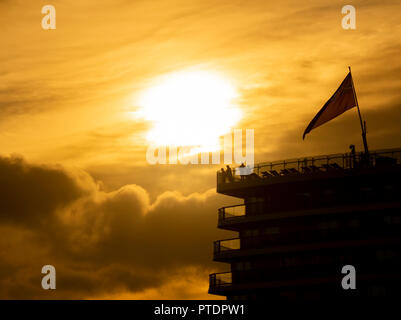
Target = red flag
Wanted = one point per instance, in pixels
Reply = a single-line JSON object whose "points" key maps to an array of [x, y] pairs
{"points": [[342, 100]]}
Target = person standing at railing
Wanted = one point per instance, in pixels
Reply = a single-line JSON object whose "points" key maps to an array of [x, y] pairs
{"points": [[242, 171], [353, 155], [229, 174], [223, 176]]}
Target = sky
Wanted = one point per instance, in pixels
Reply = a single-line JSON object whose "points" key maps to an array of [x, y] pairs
{"points": [[77, 191]]}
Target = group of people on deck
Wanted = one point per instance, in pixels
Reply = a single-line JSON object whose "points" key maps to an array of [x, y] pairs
{"points": [[227, 175]]}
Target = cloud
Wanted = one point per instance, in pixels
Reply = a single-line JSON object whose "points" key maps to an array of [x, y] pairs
{"points": [[30, 194], [101, 243]]}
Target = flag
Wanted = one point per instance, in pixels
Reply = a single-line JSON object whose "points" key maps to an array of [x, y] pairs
{"points": [[342, 100]]}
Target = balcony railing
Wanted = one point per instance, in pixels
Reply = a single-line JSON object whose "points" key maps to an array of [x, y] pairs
{"points": [[226, 245], [232, 211], [240, 210], [311, 165], [217, 280], [323, 232]]}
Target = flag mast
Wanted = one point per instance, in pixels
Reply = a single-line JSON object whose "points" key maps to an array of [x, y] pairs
{"points": [[363, 124]]}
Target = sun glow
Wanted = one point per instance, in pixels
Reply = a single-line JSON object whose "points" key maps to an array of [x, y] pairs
{"points": [[190, 108]]}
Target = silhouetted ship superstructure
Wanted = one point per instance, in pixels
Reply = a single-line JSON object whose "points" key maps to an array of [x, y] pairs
{"points": [[302, 220]]}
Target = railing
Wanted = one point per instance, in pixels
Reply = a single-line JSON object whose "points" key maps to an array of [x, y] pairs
{"points": [[312, 164], [232, 211], [240, 210], [324, 231], [226, 245], [220, 279]]}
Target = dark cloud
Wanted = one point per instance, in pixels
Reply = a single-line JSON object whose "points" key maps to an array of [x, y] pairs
{"points": [[29, 194], [98, 241]]}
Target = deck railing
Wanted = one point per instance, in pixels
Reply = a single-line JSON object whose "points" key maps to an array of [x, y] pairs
{"points": [[232, 211], [222, 279], [227, 245], [314, 164]]}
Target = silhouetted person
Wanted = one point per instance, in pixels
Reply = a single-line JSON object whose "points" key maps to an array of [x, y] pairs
{"points": [[223, 175], [229, 174], [352, 147], [242, 171]]}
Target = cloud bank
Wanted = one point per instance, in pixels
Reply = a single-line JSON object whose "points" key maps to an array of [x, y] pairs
{"points": [[102, 244]]}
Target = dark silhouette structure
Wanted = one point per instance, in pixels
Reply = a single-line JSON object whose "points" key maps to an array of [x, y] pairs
{"points": [[302, 220]]}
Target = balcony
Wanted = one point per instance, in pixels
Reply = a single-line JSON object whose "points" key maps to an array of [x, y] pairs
{"points": [[331, 237], [301, 280], [231, 212], [303, 168], [218, 282], [230, 217], [220, 247], [248, 281], [238, 217]]}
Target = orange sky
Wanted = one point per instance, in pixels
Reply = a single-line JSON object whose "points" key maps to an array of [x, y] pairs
{"points": [[91, 202]]}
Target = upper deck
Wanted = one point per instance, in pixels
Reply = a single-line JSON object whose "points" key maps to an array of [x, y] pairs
{"points": [[307, 169]]}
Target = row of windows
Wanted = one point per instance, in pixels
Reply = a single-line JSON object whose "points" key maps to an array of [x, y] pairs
{"points": [[373, 220], [288, 199], [321, 259]]}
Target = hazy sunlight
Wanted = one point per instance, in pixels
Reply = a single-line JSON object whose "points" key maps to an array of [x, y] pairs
{"points": [[190, 108]]}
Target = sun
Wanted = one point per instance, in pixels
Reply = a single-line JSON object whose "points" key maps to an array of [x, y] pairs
{"points": [[190, 108]]}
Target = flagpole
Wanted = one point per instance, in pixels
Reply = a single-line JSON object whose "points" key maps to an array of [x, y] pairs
{"points": [[363, 124]]}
